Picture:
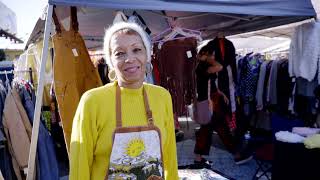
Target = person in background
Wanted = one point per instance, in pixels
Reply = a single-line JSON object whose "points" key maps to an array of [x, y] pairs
{"points": [[103, 70], [125, 128], [205, 71], [208, 69]]}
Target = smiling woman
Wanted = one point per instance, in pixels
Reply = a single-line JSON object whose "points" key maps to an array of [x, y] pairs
{"points": [[129, 58], [124, 129]]}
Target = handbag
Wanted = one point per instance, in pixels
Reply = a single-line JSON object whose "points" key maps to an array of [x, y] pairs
{"points": [[200, 112]]}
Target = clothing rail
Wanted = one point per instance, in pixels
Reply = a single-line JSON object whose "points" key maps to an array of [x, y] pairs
{"points": [[12, 71], [26, 71], [20, 71], [6, 72]]}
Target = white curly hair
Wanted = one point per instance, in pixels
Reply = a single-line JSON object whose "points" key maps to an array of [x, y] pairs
{"points": [[124, 25]]}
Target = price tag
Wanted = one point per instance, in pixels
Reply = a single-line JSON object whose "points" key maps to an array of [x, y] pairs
{"points": [[189, 54], [75, 52], [25, 170]]}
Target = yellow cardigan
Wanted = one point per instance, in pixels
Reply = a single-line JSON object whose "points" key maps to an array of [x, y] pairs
{"points": [[95, 121]]}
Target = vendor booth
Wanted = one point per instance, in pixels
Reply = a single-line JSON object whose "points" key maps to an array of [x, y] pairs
{"points": [[176, 29]]}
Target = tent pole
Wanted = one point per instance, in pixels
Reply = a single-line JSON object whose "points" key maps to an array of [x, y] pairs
{"points": [[36, 117]]}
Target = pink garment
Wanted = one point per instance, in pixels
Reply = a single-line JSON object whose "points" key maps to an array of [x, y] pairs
{"points": [[305, 131]]}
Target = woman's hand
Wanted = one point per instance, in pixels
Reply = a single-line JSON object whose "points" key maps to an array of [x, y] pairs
{"points": [[226, 100]]}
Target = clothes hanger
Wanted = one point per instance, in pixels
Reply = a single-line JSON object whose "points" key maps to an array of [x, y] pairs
{"points": [[120, 17], [183, 32], [164, 35], [7, 81], [161, 35], [175, 32]]}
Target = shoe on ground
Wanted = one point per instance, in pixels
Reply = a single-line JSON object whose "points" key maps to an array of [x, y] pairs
{"points": [[202, 164], [203, 160]]}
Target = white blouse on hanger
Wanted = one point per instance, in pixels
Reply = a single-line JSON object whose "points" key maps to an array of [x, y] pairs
{"points": [[304, 54]]}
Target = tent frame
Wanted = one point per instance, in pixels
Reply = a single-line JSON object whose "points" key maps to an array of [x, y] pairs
{"points": [[12, 37], [36, 117]]}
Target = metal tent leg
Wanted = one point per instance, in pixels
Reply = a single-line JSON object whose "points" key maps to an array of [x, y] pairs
{"points": [[36, 117]]}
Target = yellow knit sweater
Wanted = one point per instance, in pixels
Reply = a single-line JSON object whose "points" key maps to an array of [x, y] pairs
{"points": [[95, 121]]}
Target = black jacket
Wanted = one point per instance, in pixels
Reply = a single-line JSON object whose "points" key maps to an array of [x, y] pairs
{"points": [[229, 59]]}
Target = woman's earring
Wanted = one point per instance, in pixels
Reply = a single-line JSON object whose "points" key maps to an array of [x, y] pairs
{"points": [[112, 75], [149, 68]]}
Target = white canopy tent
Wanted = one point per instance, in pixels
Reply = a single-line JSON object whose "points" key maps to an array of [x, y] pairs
{"points": [[8, 20], [210, 17], [272, 41], [8, 26], [257, 44], [207, 16]]}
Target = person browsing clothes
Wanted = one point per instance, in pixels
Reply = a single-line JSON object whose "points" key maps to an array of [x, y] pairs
{"points": [[208, 69]]}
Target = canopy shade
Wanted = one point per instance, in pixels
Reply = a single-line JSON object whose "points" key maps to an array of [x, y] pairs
{"points": [[251, 7], [8, 20], [8, 23], [208, 16], [285, 31]]}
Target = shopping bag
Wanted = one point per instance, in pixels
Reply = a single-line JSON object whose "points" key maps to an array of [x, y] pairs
{"points": [[200, 112]]}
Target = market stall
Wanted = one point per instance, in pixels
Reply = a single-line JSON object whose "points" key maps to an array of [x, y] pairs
{"points": [[209, 18]]}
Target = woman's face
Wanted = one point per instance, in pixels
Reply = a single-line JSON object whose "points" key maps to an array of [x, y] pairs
{"points": [[202, 56], [129, 58], [205, 56], [211, 59]]}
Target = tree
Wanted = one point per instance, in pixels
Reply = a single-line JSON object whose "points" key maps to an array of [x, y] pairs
{"points": [[2, 55]]}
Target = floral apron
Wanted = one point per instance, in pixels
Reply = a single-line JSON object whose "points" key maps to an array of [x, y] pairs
{"points": [[136, 151]]}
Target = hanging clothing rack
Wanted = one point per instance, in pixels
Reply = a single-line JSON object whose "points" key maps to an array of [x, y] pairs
{"points": [[6, 72], [3, 72], [25, 71]]}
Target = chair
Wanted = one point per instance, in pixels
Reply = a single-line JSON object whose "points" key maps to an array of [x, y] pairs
{"points": [[264, 158], [265, 145], [261, 142]]}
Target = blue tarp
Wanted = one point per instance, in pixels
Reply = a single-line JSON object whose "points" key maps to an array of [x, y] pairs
{"points": [[250, 7], [208, 16]]}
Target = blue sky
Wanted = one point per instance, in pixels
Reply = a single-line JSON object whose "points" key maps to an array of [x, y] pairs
{"points": [[27, 13]]}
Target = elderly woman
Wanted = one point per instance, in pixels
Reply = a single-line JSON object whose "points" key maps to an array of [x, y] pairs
{"points": [[125, 129]]}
